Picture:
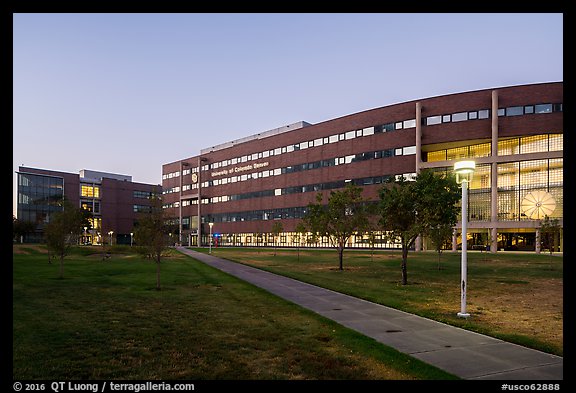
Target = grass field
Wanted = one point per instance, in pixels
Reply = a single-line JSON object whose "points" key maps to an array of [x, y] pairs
{"points": [[105, 320], [517, 297]]}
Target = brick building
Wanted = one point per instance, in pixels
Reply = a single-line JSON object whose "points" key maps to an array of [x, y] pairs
{"points": [[515, 135], [114, 201]]}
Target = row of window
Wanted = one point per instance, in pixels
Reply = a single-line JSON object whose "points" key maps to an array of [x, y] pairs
{"points": [[485, 113], [520, 145], [301, 189], [313, 143], [405, 124], [378, 240], [177, 173], [142, 209], [408, 150], [143, 194]]}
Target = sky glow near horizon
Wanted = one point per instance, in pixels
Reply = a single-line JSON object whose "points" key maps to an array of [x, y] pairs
{"points": [[127, 93]]}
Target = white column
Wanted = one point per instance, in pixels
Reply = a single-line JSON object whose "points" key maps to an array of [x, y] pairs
{"points": [[494, 175], [418, 242]]}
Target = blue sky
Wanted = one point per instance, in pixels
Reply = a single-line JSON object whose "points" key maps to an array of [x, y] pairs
{"points": [[126, 93]]}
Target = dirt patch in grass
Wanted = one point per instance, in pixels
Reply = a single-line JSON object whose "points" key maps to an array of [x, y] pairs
{"points": [[26, 249]]}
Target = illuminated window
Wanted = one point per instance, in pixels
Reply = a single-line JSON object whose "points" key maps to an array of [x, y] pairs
{"points": [[90, 191], [534, 144]]}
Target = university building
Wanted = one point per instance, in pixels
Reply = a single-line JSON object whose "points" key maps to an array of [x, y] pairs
{"points": [[114, 201], [514, 134]]}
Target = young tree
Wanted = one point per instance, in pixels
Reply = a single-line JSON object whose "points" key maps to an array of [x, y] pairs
{"points": [[411, 208], [439, 236], [63, 231], [152, 234], [300, 236], [549, 230], [277, 229], [345, 214]]}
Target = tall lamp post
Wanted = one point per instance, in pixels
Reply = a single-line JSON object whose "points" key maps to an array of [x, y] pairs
{"points": [[111, 233], [210, 224], [464, 171], [131, 236]]}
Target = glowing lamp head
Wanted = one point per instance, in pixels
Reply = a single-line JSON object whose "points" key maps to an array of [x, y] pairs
{"points": [[464, 170]]}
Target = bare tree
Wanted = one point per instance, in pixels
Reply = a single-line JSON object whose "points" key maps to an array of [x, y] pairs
{"points": [[63, 231], [277, 229], [152, 234]]}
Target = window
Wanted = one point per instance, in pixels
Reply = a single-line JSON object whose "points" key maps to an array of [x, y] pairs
{"points": [[529, 109], [501, 112], [368, 131], [409, 150], [461, 116], [409, 123], [318, 142], [446, 119], [430, 121], [90, 191], [484, 114], [472, 115], [398, 125], [557, 108], [515, 111], [333, 138], [543, 108]]}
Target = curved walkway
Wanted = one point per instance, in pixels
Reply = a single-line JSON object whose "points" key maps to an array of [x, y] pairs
{"points": [[461, 352]]}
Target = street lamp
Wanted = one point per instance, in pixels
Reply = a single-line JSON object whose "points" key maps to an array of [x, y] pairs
{"points": [[110, 233], [131, 235], [210, 224], [464, 171], [85, 240]]}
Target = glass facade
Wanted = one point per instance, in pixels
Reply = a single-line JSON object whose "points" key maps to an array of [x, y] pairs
{"points": [[515, 179], [39, 196], [518, 179]]}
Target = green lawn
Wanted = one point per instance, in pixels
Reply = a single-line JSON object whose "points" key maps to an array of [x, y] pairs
{"points": [[514, 296], [105, 320]]}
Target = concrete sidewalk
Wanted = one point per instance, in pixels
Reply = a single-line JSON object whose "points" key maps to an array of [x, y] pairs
{"points": [[463, 353]]}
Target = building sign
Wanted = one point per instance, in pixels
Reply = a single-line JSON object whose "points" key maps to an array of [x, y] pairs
{"points": [[239, 169]]}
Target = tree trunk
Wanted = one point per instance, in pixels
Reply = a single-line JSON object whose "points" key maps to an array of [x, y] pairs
{"points": [[404, 260], [158, 274], [61, 266], [341, 256]]}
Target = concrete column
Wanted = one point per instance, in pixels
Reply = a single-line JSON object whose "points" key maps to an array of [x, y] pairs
{"points": [[180, 206], [538, 241], [418, 136], [494, 175], [418, 242], [199, 202]]}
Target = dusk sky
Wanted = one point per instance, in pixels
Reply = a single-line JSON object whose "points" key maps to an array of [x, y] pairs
{"points": [[126, 93]]}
